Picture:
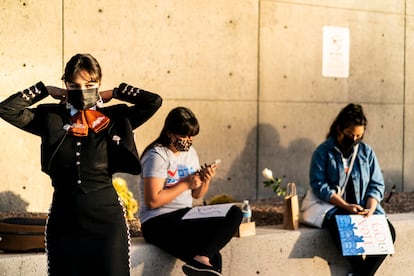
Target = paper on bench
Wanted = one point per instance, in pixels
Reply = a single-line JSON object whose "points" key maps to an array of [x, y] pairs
{"points": [[208, 211]]}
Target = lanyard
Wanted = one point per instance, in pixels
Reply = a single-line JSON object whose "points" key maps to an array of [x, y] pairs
{"points": [[351, 164]]}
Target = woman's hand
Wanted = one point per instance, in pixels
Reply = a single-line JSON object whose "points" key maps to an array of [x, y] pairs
{"points": [[193, 181], [207, 172], [57, 93], [106, 95], [369, 209], [351, 208], [354, 208], [370, 206], [155, 195]]}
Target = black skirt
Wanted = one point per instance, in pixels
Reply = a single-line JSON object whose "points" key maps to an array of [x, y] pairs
{"points": [[87, 234]]}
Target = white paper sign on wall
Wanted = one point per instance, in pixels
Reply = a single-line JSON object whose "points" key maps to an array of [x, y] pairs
{"points": [[335, 52]]}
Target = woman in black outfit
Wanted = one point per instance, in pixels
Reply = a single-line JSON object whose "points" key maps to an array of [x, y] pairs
{"points": [[83, 144]]}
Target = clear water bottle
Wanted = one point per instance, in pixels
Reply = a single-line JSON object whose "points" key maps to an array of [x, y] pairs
{"points": [[247, 211]]}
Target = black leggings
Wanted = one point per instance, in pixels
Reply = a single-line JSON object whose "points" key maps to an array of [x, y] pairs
{"points": [[185, 239], [362, 266]]}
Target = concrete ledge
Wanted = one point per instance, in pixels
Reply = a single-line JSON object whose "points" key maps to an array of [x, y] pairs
{"points": [[272, 251]]}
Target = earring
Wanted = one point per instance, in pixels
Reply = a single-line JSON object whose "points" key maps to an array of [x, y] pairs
{"points": [[100, 102]]}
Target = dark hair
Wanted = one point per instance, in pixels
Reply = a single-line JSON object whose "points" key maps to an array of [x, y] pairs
{"points": [[82, 62], [179, 121], [350, 115]]}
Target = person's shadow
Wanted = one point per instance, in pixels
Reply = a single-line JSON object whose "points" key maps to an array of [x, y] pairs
{"points": [[291, 163], [11, 202]]}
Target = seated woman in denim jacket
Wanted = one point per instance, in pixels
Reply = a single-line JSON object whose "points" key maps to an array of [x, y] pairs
{"points": [[365, 188]]}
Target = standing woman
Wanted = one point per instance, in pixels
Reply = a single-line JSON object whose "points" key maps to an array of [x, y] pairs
{"points": [[330, 163], [83, 144], [171, 178]]}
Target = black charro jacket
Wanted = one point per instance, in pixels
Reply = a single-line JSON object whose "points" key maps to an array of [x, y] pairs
{"points": [[50, 121]]}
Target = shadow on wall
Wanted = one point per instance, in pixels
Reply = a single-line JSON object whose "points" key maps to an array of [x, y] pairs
{"points": [[262, 149], [290, 162], [11, 202], [240, 179], [392, 178]]}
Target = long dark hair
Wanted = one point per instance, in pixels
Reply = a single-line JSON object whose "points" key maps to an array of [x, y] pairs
{"points": [[350, 115], [82, 62], [179, 121]]}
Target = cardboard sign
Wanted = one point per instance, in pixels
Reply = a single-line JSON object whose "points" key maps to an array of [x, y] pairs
{"points": [[362, 235]]}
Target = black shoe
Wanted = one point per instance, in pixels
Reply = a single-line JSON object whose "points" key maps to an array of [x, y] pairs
{"points": [[216, 262], [195, 268]]}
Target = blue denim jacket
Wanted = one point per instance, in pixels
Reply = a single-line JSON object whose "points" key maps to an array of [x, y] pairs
{"points": [[327, 172]]}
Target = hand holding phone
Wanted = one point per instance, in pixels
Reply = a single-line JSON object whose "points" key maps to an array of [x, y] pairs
{"points": [[364, 212], [206, 172], [215, 163]]}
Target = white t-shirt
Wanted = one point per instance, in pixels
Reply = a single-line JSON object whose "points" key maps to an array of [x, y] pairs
{"points": [[161, 162]]}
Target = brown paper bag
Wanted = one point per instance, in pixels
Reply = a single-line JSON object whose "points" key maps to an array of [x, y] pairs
{"points": [[291, 215]]}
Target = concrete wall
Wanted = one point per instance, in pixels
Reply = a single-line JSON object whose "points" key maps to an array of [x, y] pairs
{"points": [[251, 70]]}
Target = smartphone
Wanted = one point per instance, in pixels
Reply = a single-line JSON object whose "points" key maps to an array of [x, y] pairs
{"points": [[216, 162], [363, 212], [212, 164]]}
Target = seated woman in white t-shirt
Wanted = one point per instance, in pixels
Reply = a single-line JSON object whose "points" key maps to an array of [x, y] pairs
{"points": [[170, 179]]}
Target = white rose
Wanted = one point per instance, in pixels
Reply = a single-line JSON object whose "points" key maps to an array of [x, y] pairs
{"points": [[267, 173]]}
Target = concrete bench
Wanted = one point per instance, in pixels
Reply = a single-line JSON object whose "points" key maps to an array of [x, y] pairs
{"points": [[272, 251]]}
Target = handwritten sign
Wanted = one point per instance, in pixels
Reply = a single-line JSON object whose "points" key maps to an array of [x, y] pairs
{"points": [[362, 235], [208, 211]]}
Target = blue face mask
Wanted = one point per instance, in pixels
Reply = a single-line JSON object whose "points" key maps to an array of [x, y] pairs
{"points": [[83, 99]]}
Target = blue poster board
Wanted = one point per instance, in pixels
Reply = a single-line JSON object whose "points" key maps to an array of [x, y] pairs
{"points": [[362, 235]]}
